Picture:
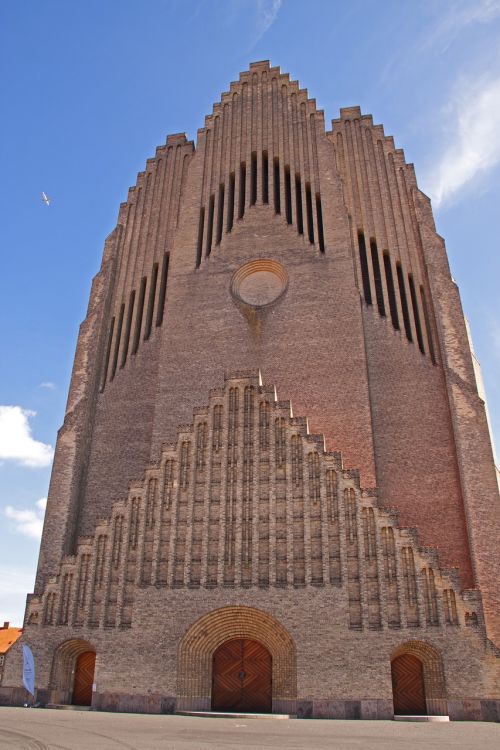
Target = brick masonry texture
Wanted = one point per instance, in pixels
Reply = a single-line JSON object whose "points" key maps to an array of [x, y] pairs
{"points": [[188, 505]]}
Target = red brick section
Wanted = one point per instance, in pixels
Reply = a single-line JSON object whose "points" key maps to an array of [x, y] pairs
{"points": [[414, 429]]}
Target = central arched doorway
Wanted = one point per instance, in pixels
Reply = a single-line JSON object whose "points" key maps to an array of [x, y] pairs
{"points": [[84, 678], [408, 685], [242, 677]]}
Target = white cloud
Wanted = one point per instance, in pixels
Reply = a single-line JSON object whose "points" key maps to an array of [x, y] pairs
{"points": [[48, 384], [42, 503], [27, 522], [16, 441], [267, 13], [474, 144], [15, 583]]}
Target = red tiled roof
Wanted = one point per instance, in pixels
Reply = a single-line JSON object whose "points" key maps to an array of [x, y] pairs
{"points": [[8, 636]]}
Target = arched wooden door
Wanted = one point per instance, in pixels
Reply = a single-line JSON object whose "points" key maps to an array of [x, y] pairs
{"points": [[408, 688], [84, 678], [242, 677]]}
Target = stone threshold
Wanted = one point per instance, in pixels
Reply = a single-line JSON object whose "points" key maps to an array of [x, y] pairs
{"points": [[68, 707], [231, 715], [421, 718]]}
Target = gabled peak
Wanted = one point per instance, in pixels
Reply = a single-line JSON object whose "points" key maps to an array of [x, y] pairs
{"points": [[260, 73], [260, 65]]}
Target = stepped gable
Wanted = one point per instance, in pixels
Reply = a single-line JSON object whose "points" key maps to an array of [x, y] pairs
{"points": [[259, 146], [247, 497]]}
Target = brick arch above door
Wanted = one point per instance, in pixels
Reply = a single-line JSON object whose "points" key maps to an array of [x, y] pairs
{"points": [[194, 681]]}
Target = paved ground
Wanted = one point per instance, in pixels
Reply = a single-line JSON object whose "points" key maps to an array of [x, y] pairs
{"points": [[44, 729]]}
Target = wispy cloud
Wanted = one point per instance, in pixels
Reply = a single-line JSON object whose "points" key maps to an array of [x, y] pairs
{"points": [[459, 15], [267, 13], [47, 384], [27, 522], [16, 441], [474, 144]]}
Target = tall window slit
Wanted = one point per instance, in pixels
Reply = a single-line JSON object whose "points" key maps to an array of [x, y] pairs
{"points": [[210, 225], [276, 181], [201, 227], [108, 354], [416, 315], [288, 196], [391, 291], [427, 325], [220, 215], [139, 315], [377, 278], [309, 210], [404, 302], [363, 260], [319, 214], [230, 203], [265, 177], [253, 180], [128, 328], [243, 181], [117, 341], [298, 203], [151, 300], [163, 289]]}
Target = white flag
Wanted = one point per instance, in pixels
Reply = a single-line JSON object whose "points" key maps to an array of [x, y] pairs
{"points": [[28, 670]]}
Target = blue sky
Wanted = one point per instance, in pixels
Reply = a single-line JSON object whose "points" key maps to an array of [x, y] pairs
{"points": [[90, 89]]}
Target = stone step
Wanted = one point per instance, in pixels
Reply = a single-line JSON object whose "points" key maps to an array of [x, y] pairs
{"points": [[231, 715], [403, 717]]}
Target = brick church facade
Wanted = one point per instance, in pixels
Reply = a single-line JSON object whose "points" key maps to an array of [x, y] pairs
{"points": [[205, 546]]}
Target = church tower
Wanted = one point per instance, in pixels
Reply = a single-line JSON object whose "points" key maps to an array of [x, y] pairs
{"points": [[274, 487]]}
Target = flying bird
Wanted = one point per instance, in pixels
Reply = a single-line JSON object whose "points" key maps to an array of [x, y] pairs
{"points": [[45, 199]]}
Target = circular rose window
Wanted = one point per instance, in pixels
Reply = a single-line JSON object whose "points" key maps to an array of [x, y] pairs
{"points": [[259, 282]]}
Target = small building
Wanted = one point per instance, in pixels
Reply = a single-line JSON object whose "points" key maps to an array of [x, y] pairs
{"points": [[8, 636]]}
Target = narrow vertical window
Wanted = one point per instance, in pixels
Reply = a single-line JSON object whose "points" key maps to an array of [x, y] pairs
{"points": [[363, 260], [117, 341], [163, 289], [108, 354], [201, 227], [230, 203], [427, 324], [253, 180], [404, 301], [298, 204], [277, 196], [210, 225], [138, 317], [416, 315], [319, 214], [220, 215], [377, 278], [391, 291], [309, 210], [243, 180], [265, 177], [128, 327], [151, 301], [288, 196]]}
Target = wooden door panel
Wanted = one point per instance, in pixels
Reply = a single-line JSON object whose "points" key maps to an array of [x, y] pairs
{"points": [[84, 678], [408, 685], [242, 677]]}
